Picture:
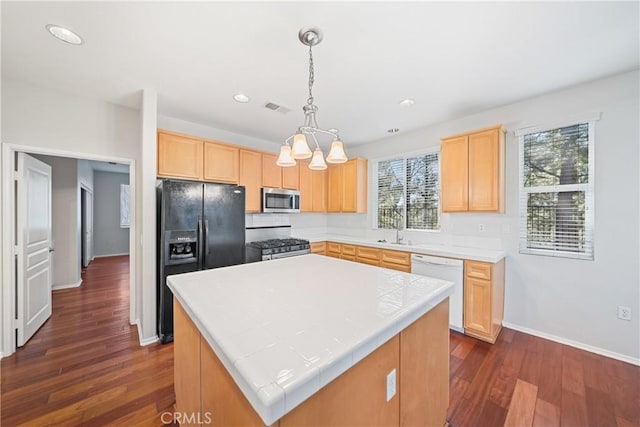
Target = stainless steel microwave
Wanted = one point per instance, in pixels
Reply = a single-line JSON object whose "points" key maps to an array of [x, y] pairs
{"points": [[278, 200]]}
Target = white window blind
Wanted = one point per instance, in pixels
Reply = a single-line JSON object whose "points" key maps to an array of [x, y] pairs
{"points": [[556, 192], [408, 192]]}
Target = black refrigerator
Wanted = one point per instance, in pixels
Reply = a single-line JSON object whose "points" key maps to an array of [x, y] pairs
{"points": [[200, 226]]}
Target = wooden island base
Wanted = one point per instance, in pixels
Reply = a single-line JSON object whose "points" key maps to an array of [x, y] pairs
{"points": [[420, 355]]}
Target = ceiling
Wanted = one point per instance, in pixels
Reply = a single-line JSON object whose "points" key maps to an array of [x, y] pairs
{"points": [[454, 59], [109, 167]]}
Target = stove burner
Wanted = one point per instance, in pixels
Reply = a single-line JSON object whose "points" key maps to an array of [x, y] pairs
{"points": [[276, 248]]}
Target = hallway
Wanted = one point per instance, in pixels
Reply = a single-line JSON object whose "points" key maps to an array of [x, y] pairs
{"points": [[85, 365]]}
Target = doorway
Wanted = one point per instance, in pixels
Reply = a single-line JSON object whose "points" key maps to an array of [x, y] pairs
{"points": [[8, 271]]}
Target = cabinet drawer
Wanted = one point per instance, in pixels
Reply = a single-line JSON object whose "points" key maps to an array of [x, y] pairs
{"points": [[369, 253], [395, 257], [368, 261], [478, 270], [318, 248], [349, 250], [333, 247], [348, 257], [399, 267]]}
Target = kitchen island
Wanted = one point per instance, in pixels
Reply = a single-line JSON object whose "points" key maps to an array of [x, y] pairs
{"points": [[311, 340]]}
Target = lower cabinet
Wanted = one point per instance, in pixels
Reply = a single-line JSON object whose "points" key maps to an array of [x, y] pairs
{"points": [[483, 302], [319, 248], [483, 299], [396, 260]]}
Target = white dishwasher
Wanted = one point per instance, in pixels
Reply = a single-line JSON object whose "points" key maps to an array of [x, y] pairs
{"points": [[446, 269]]}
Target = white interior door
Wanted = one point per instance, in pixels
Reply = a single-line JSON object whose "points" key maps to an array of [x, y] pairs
{"points": [[87, 231], [33, 223]]}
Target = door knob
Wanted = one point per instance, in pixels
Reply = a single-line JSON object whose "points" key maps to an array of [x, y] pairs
{"points": [[51, 250]]}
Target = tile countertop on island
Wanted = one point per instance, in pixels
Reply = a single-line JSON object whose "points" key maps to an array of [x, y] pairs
{"points": [[286, 328], [449, 251]]}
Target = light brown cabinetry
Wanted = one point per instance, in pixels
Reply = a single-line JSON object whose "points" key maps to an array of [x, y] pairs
{"points": [[472, 171], [179, 156], [483, 299], [207, 393], [271, 173], [347, 187], [221, 162], [334, 249], [251, 178], [319, 248], [396, 260], [291, 177], [313, 189]]}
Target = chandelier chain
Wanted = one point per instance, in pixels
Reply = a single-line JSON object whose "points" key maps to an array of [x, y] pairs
{"points": [[311, 76]]}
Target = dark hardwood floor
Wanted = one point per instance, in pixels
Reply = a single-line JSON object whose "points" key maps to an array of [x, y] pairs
{"points": [[85, 367]]}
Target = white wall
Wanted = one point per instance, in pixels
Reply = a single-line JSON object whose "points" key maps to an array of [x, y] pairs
{"points": [[51, 122], [64, 205], [108, 237], [569, 299], [195, 129]]}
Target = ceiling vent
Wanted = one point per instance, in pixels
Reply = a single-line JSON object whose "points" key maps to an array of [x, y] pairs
{"points": [[276, 107]]}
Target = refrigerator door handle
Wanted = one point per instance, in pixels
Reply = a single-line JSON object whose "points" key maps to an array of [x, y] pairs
{"points": [[200, 242], [206, 236]]}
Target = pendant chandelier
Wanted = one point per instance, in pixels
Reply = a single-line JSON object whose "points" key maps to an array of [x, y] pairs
{"points": [[299, 149]]}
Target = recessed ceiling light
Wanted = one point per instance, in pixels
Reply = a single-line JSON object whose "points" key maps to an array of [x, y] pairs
{"points": [[393, 130], [407, 102], [241, 97], [64, 34]]}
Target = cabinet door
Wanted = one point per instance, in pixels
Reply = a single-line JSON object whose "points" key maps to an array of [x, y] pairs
{"points": [[271, 173], [354, 186], [349, 186], [484, 171], [186, 361], [334, 188], [291, 177], [477, 305], [251, 178], [455, 174], [306, 187], [318, 248], [221, 163], [179, 156], [319, 181]]}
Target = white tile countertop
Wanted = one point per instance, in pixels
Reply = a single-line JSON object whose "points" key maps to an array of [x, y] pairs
{"points": [[450, 251], [286, 328]]}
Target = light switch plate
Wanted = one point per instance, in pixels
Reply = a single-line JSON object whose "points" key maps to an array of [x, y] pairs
{"points": [[391, 385]]}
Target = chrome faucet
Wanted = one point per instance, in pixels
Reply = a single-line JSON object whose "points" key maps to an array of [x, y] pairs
{"points": [[399, 237]]}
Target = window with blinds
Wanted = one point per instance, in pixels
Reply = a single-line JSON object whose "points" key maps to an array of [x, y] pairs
{"points": [[408, 193], [556, 191]]}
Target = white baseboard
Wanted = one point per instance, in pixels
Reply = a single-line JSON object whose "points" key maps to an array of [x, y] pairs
{"points": [[145, 341], [576, 344], [106, 256], [67, 286]]}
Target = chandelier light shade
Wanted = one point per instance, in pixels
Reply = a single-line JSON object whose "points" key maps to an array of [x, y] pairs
{"points": [[336, 154], [317, 162], [299, 148], [285, 159]]}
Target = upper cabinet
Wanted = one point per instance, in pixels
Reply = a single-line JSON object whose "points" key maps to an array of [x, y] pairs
{"points": [[473, 171], [221, 162], [291, 177], [251, 178], [313, 188], [179, 156], [347, 187], [271, 173]]}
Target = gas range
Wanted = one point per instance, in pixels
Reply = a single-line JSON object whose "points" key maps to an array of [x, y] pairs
{"points": [[265, 250]]}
